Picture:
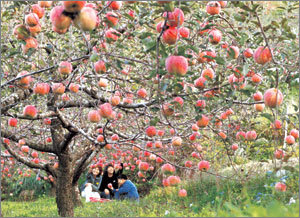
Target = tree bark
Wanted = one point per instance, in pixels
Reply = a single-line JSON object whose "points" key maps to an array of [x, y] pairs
{"points": [[76, 196], [64, 196]]}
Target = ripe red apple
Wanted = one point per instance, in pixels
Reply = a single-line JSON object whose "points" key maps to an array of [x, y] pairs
{"points": [[277, 124], [223, 3], [188, 164], [30, 43], [203, 121], [100, 67], [201, 103], [115, 137], [58, 19], [240, 135], [203, 165], [39, 11], [36, 160], [259, 107], [234, 49], [176, 141], [248, 53], [200, 82], [170, 35], [257, 96], [115, 100], [184, 32], [167, 109], [182, 193], [112, 19], [280, 187], [222, 135], [177, 65], [24, 80], [100, 138], [73, 6], [94, 116], [45, 4], [32, 19], [179, 100], [295, 133], [34, 154], [270, 98], [229, 112], [47, 121], [112, 34], [151, 131], [256, 78], [173, 17], [74, 87], [168, 168], [279, 154], [144, 166], [58, 88], [115, 5], [30, 111], [12, 122], [213, 7], [106, 110], [234, 147], [48, 139], [87, 19], [290, 140], [215, 36], [25, 149], [208, 73], [103, 83], [65, 67], [262, 55], [21, 32], [35, 30], [142, 93], [251, 135]]}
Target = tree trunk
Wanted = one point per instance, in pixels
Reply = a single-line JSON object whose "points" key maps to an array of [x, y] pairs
{"points": [[64, 196], [53, 190], [76, 196]]}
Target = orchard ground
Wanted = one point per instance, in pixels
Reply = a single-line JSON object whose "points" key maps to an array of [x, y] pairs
{"points": [[206, 197]]}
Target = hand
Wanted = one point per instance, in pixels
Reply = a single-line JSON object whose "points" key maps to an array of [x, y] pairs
{"points": [[106, 191]]}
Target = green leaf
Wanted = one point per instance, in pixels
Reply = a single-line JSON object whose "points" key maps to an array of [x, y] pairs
{"points": [[145, 35], [238, 17], [268, 116], [220, 60], [154, 109], [260, 141], [154, 121], [94, 57]]}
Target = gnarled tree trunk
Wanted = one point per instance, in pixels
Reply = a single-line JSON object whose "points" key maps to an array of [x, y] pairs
{"points": [[76, 196], [64, 195]]}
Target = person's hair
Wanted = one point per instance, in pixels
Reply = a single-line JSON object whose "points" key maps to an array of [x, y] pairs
{"points": [[122, 176], [100, 170]]}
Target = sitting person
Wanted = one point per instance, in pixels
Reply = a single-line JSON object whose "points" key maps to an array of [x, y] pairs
{"points": [[127, 189], [92, 183], [110, 180]]}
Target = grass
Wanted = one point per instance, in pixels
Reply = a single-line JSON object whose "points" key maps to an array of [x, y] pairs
{"points": [[207, 197]]}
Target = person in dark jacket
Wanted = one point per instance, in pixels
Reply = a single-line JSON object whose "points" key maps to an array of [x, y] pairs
{"points": [[94, 178], [127, 189], [110, 180]]}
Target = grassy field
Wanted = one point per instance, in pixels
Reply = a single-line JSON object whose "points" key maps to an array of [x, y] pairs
{"points": [[206, 197]]}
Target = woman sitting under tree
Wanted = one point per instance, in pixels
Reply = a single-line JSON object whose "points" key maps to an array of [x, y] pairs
{"points": [[110, 180]]}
